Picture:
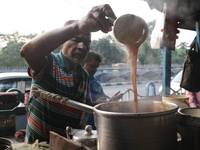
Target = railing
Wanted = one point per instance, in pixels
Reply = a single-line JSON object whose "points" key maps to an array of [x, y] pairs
{"points": [[102, 68], [147, 86], [128, 92], [178, 92], [139, 67], [147, 95]]}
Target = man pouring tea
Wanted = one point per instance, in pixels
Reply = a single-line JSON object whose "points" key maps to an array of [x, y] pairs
{"points": [[61, 73]]}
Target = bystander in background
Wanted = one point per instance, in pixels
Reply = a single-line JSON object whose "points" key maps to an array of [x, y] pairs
{"points": [[90, 64]]}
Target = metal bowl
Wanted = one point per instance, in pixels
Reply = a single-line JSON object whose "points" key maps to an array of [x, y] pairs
{"points": [[5, 144], [190, 111]]}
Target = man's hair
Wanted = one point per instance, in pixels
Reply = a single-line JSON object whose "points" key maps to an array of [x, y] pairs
{"points": [[92, 55]]}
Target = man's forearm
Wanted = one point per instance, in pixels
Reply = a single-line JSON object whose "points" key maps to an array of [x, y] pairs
{"points": [[46, 42]]}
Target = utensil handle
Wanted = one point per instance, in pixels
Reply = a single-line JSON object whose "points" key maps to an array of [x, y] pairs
{"points": [[79, 106], [61, 100]]}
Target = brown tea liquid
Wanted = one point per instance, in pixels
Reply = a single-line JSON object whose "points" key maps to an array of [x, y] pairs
{"points": [[133, 51]]}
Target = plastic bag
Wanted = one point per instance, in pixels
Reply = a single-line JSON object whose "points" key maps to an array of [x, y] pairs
{"points": [[157, 35]]}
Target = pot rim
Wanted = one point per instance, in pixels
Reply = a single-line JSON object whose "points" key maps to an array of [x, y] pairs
{"points": [[6, 141], [175, 97], [142, 114], [188, 108]]}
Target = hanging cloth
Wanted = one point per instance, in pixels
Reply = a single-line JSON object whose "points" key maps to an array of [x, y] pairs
{"points": [[191, 76]]}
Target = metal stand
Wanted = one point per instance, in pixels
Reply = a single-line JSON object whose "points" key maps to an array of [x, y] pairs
{"points": [[198, 40], [166, 72], [153, 92]]}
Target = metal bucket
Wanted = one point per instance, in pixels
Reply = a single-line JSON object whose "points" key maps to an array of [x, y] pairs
{"points": [[181, 100], [152, 128], [188, 126], [5, 144]]}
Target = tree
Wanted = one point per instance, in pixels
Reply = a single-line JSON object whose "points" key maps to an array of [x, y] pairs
{"points": [[16, 37], [106, 46], [110, 49], [94, 45], [10, 54], [145, 54], [178, 56]]}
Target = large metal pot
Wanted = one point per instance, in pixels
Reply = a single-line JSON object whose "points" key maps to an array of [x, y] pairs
{"points": [[188, 126], [118, 127], [5, 144], [153, 128]]}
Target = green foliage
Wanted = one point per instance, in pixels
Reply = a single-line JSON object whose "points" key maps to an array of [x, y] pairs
{"points": [[146, 55], [16, 37], [111, 50], [94, 45], [178, 56], [106, 46], [10, 55]]}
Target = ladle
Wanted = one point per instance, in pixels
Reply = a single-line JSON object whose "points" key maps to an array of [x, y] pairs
{"points": [[130, 30]]}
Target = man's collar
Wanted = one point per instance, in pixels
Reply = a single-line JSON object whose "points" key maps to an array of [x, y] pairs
{"points": [[62, 59], [65, 66]]}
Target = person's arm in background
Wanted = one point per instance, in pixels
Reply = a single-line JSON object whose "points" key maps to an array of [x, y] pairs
{"points": [[116, 97], [192, 98]]}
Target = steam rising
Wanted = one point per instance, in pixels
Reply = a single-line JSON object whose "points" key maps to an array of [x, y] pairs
{"points": [[185, 10]]}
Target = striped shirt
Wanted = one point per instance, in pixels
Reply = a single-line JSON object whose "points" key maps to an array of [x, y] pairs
{"points": [[44, 115]]}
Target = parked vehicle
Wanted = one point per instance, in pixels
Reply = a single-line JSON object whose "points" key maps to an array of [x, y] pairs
{"points": [[13, 118], [175, 85], [120, 65], [18, 80]]}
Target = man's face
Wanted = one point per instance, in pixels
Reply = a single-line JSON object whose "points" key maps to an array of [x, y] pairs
{"points": [[75, 49], [91, 67]]}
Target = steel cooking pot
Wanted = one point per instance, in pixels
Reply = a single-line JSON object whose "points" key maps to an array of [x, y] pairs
{"points": [[153, 128], [5, 144], [118, 127], [188, 126]]}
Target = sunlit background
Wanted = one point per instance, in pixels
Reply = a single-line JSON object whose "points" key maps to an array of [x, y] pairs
{"points": [[35, 16]]}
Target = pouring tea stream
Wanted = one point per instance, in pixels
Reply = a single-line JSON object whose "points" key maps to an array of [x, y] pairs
{"points": [[131, 31]]}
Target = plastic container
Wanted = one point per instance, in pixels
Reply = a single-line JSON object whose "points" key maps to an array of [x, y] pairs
{"points": [[181, 100]]}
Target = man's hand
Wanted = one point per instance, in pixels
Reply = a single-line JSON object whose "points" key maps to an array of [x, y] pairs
{"points": [[99, 101], [116, 97], [96, 20]]}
